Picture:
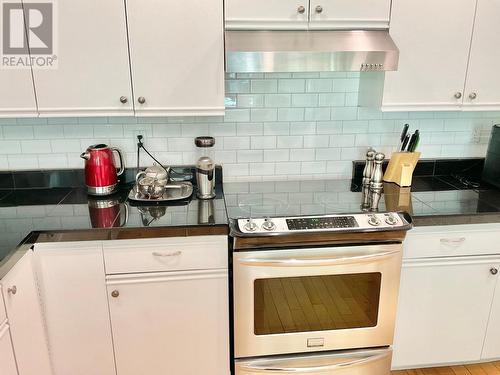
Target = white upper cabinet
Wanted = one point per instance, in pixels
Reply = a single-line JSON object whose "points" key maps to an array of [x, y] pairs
{"points": [[434, 39], [25, 318], [350, 14], [17, 94], [481, 89], [17, 97], [177, 57], [304, 14], [263, 14], [92, 72]]}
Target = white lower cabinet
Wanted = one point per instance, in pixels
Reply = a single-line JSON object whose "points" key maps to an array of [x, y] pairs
{"points": [[7, 359], [443, 311], [72, 286], [170, 322], [25, 318], [491, 349]]}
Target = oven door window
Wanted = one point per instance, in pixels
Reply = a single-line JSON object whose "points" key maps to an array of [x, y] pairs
{"points": [[316, 303]]}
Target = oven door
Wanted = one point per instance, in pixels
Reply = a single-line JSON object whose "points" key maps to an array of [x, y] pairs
{"points": [[362, 362], [304, 300]]}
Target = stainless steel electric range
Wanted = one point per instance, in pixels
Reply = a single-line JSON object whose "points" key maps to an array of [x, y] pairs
{"points": [[315, 279]]}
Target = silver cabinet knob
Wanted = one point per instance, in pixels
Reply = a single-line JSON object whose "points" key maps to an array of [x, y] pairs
{"points": [[458, 95], [301, 9], [12, 290], [123, 99], [472, 96], [141, 100], [319, 9], [115, 294], [494, 271]]}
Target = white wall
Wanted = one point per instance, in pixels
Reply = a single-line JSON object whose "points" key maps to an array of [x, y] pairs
{"points": [[276, 126]]}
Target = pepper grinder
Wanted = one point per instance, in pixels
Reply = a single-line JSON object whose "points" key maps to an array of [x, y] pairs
{"points": [[376, 183], [367, 176], [205, 168]]}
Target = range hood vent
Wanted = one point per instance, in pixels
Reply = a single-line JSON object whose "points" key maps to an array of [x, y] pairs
{"points": [[310, 51]]}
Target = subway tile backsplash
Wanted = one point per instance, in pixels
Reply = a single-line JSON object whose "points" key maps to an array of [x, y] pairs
{"points": [[277, 126]]}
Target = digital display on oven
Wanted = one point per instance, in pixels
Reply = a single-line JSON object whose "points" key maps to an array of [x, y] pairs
{"points": [[322, 223]]}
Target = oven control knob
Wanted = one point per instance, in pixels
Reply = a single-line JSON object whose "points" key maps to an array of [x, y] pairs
{"points": [[373, 221], [250, 226], [268, 225], [391, 220]]}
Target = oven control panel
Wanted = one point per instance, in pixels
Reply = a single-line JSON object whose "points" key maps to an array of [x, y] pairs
{"points": [[323, 223]]}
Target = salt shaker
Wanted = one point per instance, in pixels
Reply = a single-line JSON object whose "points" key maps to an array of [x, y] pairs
{"points": [[376, 183]]}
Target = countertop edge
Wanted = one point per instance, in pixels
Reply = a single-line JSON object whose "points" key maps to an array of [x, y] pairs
{"points": [[80, 235]]}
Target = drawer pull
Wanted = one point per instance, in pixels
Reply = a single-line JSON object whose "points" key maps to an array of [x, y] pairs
{"points": [[452, 241], [174, 254]]}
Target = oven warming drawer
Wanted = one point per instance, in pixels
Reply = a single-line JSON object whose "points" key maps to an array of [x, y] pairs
{"points": [[360, 362]]}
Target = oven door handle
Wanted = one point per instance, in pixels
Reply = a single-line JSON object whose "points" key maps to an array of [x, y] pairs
{"points": [[270, 368], [307, 262]]}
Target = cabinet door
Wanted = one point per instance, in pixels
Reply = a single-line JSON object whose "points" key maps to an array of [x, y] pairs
{"points": [[350, 14], [183, 315], [177, 57], [481, 89], [491, 349], [17, 95], [25, 318], [73, 289], [433, 38], [7, 360], [92, 71], [267, 15], [443, 311]]}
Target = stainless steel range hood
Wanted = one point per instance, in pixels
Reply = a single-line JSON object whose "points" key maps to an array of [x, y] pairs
{"points": [[310, 51]]}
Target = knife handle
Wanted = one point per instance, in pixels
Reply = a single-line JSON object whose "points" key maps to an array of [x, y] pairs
{"points": [[405, 142]]}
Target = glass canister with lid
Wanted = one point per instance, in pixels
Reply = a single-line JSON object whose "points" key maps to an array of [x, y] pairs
{"points": [[205, 167]]}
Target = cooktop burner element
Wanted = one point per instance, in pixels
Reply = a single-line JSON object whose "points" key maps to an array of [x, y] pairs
{"points": [[361, 222]]}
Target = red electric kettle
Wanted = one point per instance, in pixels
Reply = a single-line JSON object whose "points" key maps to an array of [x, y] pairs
{"points": [[101, 176]]}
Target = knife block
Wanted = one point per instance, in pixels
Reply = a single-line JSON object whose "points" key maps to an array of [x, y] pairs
{"points": [[397, 198], [401, 167]]}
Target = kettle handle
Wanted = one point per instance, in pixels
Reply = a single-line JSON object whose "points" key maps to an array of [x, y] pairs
{"points": [[125, 206], [122, 164]]}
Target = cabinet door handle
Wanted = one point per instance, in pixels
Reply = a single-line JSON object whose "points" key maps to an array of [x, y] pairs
{"points": [[458, 95], [472, 95], [141, 100], [115, 294], [452, 241], [123, 99], [319, 9], [12, 290], [494, 271], [174, 254], [301, 9]]}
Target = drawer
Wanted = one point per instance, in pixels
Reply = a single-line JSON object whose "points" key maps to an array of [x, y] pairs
{"points": [[166, 254], [453, 240], [3, 314]]}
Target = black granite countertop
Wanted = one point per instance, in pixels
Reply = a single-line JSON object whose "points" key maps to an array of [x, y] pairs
{"points": [[42, 214], [430, 201], [69, 214]]}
